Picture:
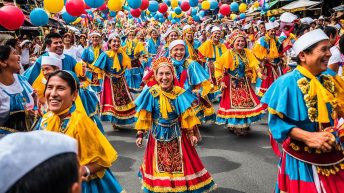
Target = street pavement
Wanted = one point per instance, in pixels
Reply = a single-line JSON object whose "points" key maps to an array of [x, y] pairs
{"points": [[237, 164]]}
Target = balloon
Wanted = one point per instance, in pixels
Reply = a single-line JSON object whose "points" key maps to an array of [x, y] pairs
{"points": [[53, 6], [256, 4], [185, 6], [39, 17], [234, 7], [178, 10], [220, 16], [272, 19], [214, 4], [12, 17], [196, 18], [193, 11], [115, 5], [134, 4], [103, 7], [242, 7], [135, 12], [232, 16], [112, 14], [144, 4], [162, 8], [153, 6], [174, 3], [94, 3], [161, 20], [173, 21], [75, 7], [68, 18], [206, 5], [242, 16], [225, 9], [201, 13], [193, 3]]}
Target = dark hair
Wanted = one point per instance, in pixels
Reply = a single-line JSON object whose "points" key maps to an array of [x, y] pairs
{"points": [[55, 175], [5, 52], [66, 76], [49, 37], [307, 51], [301, 29], [329, 30], [11, 42], [341, 44]]}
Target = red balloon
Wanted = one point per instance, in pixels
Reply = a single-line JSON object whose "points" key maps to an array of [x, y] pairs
{"points": [[162, 8], [75, 7], [144, 4], [135, 12], [12, 17], [225, 9], [185, 6], [103, 7]]}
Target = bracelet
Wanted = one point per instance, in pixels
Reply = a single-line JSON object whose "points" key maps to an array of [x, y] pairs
{"points": [[139, 135], [88, 172]]}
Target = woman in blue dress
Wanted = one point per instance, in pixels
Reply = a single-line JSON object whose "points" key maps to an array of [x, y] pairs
{"points": [[16, 101], [95, 152], [303, 105], [116, 101]]}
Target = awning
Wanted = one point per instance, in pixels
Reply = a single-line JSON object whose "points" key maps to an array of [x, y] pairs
{"points": [[339, 8], [300, 5], [271, 4]]}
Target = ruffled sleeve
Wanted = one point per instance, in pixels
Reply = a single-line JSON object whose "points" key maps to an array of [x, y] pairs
{"points": [[144, 106], [87, 56], [196, 73], [33, 72], [103, 62], [184, 101], [207, 49], [253, 65], [126, 61], [259, 49], [93, 145]]}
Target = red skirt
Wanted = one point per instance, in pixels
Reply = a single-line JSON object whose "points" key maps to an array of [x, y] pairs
{"points": [[272, 73], [174, 166]]}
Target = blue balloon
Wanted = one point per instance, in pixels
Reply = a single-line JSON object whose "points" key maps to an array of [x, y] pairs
{"points": [[39, 17], [94, 3], [153, 6], [161, 20], [167, 2], [130, 16], [113, 14], [169, 17], [196, 18], [68, 18], [272, 19], [156, 17], [214, 4], [220, 16], [242, 16], [193, 3], [173, 21], [160, 15], [193, 11], [201, 13], [178, 10], [134, 4], [234, 7]]}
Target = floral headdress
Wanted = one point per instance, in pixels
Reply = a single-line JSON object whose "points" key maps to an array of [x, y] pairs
{"points": [[236, 34]]}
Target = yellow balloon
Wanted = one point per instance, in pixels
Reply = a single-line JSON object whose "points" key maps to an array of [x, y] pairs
{"points": [[174, 3], [77, 20], [53, 6], [205, 5], [232, 16], [174, 14], [256, 4], [268, 13], [180, 15], [242, 7], [115, 5]]}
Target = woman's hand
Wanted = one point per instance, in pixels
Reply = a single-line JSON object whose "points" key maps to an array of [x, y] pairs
{"points": [[139, 139], [223, 85], [193, 140], [321, 140]]}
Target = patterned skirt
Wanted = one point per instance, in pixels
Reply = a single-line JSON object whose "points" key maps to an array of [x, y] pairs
{"points": [[239, 106], [116, 102], [173, 166], [271, 72], [133, 77]]}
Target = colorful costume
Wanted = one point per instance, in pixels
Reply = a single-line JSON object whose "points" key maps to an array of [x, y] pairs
{"points": [[212, 52], [239, 106], [171, 163], [116, 101], [93, 147], [266, 48], [90, 56], [15, 101], [300, 100], [153, 46]]}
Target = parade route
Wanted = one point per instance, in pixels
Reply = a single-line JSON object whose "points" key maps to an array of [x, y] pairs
{"points": [[237, 164]]}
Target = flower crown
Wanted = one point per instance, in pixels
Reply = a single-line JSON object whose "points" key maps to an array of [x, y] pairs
{"points": [[161, 62], [235, 35]]}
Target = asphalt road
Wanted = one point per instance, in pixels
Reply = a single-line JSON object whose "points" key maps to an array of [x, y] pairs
{"points": [[237, 164]]}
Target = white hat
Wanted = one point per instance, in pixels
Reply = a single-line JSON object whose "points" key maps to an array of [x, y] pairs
{"points": [[52, 61], [288, 17], [308, 39], [269, 26], [24, 42], [21, 152], [307, 20], [113, 36], [247, 26], [276, 24], [170, 30], [186, 27], [95, 33], [174, 43], [215, 28], [321, 17]]}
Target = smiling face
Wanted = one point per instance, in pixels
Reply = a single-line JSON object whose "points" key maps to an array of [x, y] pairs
{"points": [[178, 52], [59, 95], [172, 36], [164, 76], [154, 34], [316, 61], [216, 36], [12, 62], [47, 70], [271, 32], [67, 40], [239, 43], [95, 40], [56, 46], [189, 36], [115, 44]]}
